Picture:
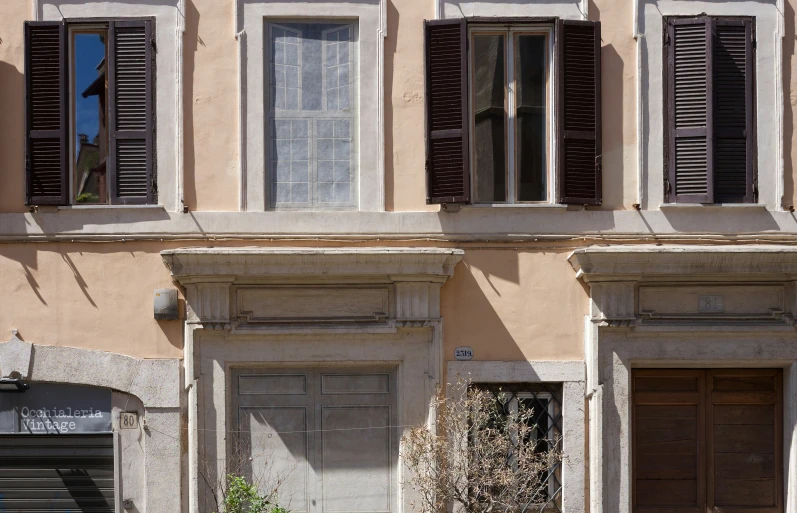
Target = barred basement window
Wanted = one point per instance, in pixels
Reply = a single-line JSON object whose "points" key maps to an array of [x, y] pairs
{"points": [[545, 402], [710, 105], [90, 119]]}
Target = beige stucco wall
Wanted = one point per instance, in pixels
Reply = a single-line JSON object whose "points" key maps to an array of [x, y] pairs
{"points": [[92, 296], [12, 113], [210, 106], [514, 305]]}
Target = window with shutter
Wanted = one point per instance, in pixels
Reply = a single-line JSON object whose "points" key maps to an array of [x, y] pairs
{"points": [[710, 110], [91, 118], [491, 95]]}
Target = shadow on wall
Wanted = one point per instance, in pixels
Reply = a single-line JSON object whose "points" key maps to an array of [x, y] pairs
{"points": [[12, 138], [27, 256], [191, 43], [390, 58], [108, 295], [470, 315], [790, 102]]}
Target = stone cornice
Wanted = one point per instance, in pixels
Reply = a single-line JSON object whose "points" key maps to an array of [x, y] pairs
{"points": [[203, 265], [690, 263]]}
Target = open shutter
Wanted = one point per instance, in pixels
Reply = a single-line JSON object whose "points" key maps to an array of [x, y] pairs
{"points": [[447, 162], [130, 112], [745, 452], [579, 112], [689, 110], [46, 145], [734, 148]]}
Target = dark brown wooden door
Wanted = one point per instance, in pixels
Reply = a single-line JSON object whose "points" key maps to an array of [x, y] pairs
{"points": [[707, 441]]}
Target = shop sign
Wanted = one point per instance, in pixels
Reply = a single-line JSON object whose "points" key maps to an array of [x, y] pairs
{"points": [[53, 409]]}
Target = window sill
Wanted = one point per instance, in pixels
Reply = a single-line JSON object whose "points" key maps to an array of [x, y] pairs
{"points": [[515, 205], [111, 207], [712, 206]]}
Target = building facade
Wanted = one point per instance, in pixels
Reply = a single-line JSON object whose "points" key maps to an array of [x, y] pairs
{"points": [[260, 235]]}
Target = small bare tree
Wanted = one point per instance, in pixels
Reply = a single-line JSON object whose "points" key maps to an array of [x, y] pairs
{"points": [[480, 456]]}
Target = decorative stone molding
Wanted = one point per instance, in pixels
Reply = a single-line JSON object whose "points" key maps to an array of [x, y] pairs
{"points": [[156, 382], [671, 287], [312, 304], [685, 263], [230, 288], [612, 303]]}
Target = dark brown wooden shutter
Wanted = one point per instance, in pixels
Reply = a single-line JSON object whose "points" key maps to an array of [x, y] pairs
{"points": [[447, 153], [46, 145], [689, 110], [579, 112], [131, 112], [745, 440], [669, 454], [734, 149]]}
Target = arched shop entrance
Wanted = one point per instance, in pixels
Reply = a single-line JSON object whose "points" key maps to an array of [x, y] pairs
{"points": [[57, 448]]}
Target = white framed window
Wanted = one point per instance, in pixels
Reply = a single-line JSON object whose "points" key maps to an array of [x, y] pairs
{"points": [[312, 114], [511, 88], [334, 106]]}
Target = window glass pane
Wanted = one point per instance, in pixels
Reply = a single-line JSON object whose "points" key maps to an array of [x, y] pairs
{"points": [[489, 117], [530, 78], [89, 129], [312, 111]]}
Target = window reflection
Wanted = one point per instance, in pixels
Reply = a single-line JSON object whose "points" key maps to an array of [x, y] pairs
{"points": [[90, 134]]}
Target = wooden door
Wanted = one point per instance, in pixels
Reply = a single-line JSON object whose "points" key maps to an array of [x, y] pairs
{"points": [[707, 441], [327, 434]]}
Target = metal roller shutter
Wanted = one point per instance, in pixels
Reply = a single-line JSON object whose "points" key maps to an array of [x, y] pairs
{"points": [[66, 473]]}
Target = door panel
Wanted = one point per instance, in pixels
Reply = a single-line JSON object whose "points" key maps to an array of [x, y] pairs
{"points": [[277, 441], [744, 439], [328, 433], [668, 441], [356, 458]]}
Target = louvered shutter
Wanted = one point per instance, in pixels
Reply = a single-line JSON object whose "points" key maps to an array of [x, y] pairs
{"points": [[689, 111], [57, 474], [130, 111], [579, 112], [46, 169], [447, 162], [733, 111]]}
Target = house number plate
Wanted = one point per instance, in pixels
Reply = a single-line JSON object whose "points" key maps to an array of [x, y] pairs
{"points": [[463, 353], [710, 304], [128, 420]]}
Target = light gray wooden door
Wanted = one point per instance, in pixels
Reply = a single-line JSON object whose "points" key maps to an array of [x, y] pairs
{"points": [[327, 434]]}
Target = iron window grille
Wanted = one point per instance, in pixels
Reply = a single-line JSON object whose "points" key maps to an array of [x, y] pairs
{"points": [[545, 401]]}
